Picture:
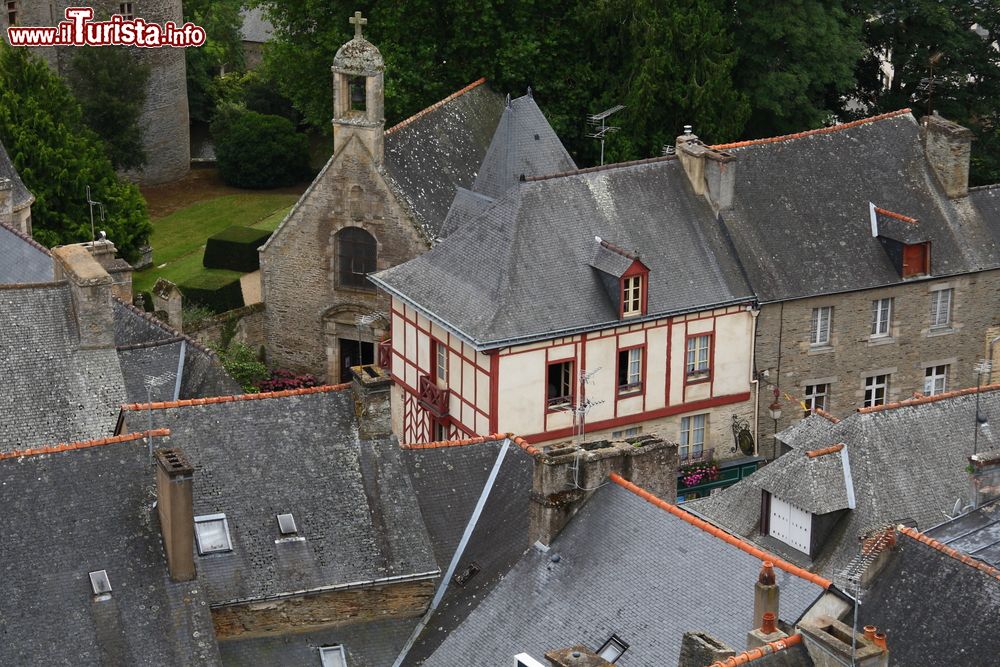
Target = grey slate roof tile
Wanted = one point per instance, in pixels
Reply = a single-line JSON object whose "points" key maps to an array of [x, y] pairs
{"points": [[22, 260], [255, 459], [70, 513], [22, 196], [466, 206], [625, 567], [976, 533], [522, 269], [815, 484]]}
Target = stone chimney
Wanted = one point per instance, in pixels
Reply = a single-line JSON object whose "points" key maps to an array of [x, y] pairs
{"points": [[576, 656], [948, 147], [566, 475], [699, 649], [984, 475], [175, 504], [765, 595], [766, 632], [712, 172], [6, 202], [829, 644], [106, 254], [167, 298], [90, 286], [371, 386]]}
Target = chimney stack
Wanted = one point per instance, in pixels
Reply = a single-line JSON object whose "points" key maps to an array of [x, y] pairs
{"points": [[712, 172], [699, 649], [984, 477], [766, 633], [576, 656], [106, 254], [175, 504], [90, 286], [829, 644], [948, 147], [766, 595], [566, 475]]}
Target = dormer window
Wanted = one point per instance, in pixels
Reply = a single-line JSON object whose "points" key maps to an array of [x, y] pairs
{"points": [[631, 296], [903, 240], [624, 277]]}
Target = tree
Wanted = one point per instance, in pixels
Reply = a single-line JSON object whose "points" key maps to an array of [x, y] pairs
{"points": [[938, 62], [797, 61], [58, 156], [110, 85], [222, 51], [259, 151]]}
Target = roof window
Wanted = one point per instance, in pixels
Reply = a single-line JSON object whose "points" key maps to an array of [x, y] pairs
{"points": [[332, 656], [212, 531], [613, 649], [100, 583], [286, 524]]}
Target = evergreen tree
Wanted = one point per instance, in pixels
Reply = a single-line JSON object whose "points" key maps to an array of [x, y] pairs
{"points": [[222, 52], [58, 156]]}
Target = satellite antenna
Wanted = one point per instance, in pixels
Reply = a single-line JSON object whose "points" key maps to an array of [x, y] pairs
{"points": [[92, 203], [601, 129]]}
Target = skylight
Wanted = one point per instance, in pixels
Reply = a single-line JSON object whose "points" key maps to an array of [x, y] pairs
{"points": [[99, 582], [286, 524], [613, 649], [212, 531], [332, 656]]}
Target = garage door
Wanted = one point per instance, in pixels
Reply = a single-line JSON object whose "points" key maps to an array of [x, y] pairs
{"points": [[790, 524]]}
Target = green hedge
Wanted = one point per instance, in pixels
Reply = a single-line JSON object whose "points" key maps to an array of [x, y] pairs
{"points": [[235, 248], [216, 293]]}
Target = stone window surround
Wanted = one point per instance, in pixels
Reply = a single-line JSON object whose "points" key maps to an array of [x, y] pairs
{"points": [[890, 385], [951, 327]]}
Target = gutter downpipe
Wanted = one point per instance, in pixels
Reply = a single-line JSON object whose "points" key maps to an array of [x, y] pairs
{"points": [[754, 313]]}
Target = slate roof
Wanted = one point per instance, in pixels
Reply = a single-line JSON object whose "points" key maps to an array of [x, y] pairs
{"points": [[255, 26], [986, 200], [53, 391], [295, 452], [521, 271], [524, 144], [449, 482], [370, 644], [626, 567], [976, 533], [816, 484], [70, 513], [23, 260], [935, 609], [907, 463], [466, 206], [800, 217], [22, 196], [433, 153]]}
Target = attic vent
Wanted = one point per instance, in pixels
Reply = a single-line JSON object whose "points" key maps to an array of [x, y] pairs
{"points": [[462, 578], [613, 649], [286, 524], [536, 137], [99, 582]]}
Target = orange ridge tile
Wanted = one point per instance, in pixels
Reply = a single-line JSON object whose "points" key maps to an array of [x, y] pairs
{"points": [[479, 439], [826, 415], [423, 112], [825, 450], [82, 444], [928, 399], [809, 133], [721, 534], [760, 652], [898, 216], [161, 405], [914, 534]]}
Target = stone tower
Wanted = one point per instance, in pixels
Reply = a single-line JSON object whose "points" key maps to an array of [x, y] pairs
{"points": [[358, 93], [167, 137]]}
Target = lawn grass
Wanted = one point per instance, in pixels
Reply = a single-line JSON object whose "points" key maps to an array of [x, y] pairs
{"points": [[178, 239]]}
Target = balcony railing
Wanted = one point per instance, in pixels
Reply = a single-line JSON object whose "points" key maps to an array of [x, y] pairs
{"points": [[432, 397], [385, 355], [691, 456]]}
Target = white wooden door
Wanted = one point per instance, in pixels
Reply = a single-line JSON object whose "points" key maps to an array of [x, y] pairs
{"points": [[790, 524]]}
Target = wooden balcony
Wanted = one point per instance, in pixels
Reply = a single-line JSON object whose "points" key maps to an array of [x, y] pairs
{"points": [[385, 355], [433, 398]]}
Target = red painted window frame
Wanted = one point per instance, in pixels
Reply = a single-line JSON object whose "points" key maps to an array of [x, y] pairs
{"points": [[908, 271], [637, 269], [642, 372], [688, 379], [572, 384]]}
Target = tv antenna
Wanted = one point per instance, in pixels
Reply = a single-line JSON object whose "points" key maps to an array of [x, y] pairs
{"points": [[150, 382], [92, 203], [601, 129]]}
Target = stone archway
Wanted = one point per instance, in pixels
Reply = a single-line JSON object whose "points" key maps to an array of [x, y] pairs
{"points": [[346, 343]]}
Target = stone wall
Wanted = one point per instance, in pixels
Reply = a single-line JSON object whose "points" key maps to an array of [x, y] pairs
{"points": [[249, 322], [783, 334], [309, 612], [307, 311]]}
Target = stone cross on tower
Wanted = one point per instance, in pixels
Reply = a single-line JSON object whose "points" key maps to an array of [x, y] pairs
{"points": [[357, 22]]}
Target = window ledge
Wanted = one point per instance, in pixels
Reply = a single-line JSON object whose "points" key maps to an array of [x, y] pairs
{"points": [[819, 349], [940, 331], [880, 340]]}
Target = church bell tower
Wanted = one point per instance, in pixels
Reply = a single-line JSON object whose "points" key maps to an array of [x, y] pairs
{"points": [[358, 93]]}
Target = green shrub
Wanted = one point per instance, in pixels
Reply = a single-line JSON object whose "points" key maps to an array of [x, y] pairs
{"points": [[215, 293], [243, 366], [194, 315], [259, 151], [235, 248]]}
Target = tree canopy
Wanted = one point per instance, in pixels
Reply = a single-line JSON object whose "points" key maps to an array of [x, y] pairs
{"points": [[58, 156]]}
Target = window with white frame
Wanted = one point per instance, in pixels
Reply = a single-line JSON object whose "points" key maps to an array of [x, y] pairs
{"points": [[881, 316], [332, 656], [440, 363], [692, 437], [631, 296], [126, 11], [935, 379], [212, 533], [698, 348], [821, 320], [559, 393], [630, 371], [876, 390], [815, 397], [612, 649], [941, 308]]}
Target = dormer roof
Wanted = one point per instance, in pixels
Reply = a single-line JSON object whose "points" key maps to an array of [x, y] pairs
{"points": [[612, 260], [896, 226]]}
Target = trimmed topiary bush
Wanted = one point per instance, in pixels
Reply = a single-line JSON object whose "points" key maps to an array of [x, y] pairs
{"points": [[217, 293], [259, 151], [235, 248]]}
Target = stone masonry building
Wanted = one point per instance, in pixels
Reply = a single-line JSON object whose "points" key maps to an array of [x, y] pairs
{"points": [[164, 120]]}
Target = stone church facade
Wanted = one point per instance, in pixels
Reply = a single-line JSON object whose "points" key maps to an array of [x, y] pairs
{"points": [[365, 211]]}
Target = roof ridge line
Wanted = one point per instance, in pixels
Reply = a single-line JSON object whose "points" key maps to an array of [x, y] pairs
{"points": [[150, 343], [211, 400], [438, 444], [897, 216], [617, 249], [82, 444], [832, 449], [808, 133], [52, 283], [605, 167], [28, 239], [915, 534], [826, 415], [715, 531], [149, 317], [756, 653], [423, 112], [907, 402]]}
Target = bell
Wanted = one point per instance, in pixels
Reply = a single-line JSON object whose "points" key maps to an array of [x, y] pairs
{"points": [[358, 94]]}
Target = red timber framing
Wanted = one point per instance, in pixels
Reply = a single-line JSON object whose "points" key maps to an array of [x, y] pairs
{"points": [[468, 399], [699, 377]]}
